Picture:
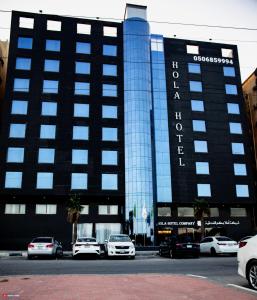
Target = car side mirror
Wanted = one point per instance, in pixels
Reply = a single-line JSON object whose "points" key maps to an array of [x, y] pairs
{"points": [[105, 241], [133, 241]]}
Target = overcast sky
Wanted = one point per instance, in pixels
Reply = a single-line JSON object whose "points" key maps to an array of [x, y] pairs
{"points": [[233, 13]]}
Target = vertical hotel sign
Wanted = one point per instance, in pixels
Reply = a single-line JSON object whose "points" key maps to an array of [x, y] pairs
{"points": [[177, 114]]}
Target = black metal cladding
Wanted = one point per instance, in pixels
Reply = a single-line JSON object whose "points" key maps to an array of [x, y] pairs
{"points": [[219, 156], [63, 144]]}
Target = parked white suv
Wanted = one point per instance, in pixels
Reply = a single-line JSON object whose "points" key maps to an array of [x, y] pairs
{"points": [[120, 245], [247, 260]]}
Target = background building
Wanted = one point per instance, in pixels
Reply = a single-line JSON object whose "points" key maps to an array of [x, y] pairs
{"points": [[139, 125]]}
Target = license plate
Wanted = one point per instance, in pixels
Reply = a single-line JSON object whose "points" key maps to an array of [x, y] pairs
{"points": [[122, 251], [40, 247], [189, 246], [86, 246]]}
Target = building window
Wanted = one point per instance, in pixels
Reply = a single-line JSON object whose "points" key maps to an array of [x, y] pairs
{"points": [[23, 63], [164, 212], [81, 110], [83, 48], [233, 108], [110, 50], [80, 133], [46, 155], [49, 109], [50, 86], [240, 170], [21, 85], [194, 68], [200, 146], [44, 180], [79, 157], [110, 90], [108, 209], [19, 107], [82, 67], [85, 210], [109, 157], [238, 148], [54, 25], [15, 155], [17, 131], [229, 71], [109, 182], [197, 105], [79, 181], [185, 212], [195, 86], [26, 23], [192, 49], [242, 190], [238, 212], [109, 134], [203, 190], [214, 212], [109, 111], [227, 53], [109, 70], [46, 209], [235, 128], [202, 168], [13, 180], [110, 31], [83, 28], [25, 43], [53, 45], [231, 89], [52, 65], [82, 88], [199, 125], [47, 131], [15, 209], [156, 45]]}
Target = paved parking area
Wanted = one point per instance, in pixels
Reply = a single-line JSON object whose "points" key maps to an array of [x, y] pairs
{"points": [[120, 287]]}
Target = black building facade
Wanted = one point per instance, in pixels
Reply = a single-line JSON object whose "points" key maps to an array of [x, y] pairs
{"points": [[137, 125]]}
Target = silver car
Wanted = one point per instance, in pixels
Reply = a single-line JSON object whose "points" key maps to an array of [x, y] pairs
{"points": [[44, 246]]}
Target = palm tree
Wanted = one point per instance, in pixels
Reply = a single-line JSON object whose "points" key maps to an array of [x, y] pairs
{"points": [[201, 209], [74, 208]]}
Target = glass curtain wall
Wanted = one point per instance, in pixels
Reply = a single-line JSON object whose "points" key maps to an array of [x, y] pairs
{"points": [[137, 102], [160, 117]]}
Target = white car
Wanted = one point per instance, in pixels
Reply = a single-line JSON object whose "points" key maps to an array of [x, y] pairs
{"points": [[218, 245], [45, 246], [86, 245], [247, 260], [120, 245]]}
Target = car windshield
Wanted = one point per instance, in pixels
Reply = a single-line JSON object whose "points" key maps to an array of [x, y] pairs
{"points": [[223, 239], [119, 238], [86, 240], [42, 240]]}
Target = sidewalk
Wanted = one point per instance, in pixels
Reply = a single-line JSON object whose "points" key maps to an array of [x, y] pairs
{"points": [[7, 253], [116, 287]]}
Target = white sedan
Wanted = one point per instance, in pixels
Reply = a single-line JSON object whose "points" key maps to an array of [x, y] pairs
{"points": [[218, 245], [86, 245], [247, 260], [120, 245]]}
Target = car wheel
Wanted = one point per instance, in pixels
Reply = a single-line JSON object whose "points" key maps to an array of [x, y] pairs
{"points": [[252, 275], [59, 253], [213, 252], [29, 256], [160, 252], [132, 257]]}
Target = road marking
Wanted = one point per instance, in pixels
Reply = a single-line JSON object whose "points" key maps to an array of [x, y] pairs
{"points": [[198, 276], [242, 288]]}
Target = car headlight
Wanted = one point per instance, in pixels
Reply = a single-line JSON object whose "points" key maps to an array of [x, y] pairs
{"points": [[132, 247]]}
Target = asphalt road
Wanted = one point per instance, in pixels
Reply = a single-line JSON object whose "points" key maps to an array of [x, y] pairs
{"points": [[218, 269]]}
